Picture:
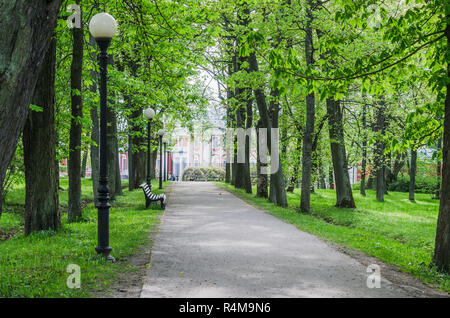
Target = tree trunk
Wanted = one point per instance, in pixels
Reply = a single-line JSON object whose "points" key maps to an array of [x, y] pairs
{"points": [[95, 130], [276, 179], [111, 148], [331, 177], [137, 157], [309, 127], [118, 174], [344, 196], [41, 165], [26, 28], [412, 174], [277, 193], [84, 164], [438, 171], [261, 186], [442, 246], [379, 156], [74, 165], [362, 188]]}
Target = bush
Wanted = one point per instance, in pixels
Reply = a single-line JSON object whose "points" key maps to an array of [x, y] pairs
{"points": [[202, 173], [423, 185]]}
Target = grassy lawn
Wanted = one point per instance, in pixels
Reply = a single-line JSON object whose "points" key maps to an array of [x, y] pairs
{"points": [[397, 231], [35, 266]]}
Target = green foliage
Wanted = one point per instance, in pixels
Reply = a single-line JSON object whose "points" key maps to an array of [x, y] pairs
{"points": [[423, 185]]}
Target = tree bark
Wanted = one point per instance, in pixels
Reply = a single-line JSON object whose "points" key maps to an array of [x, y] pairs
{"points": [[344, 195], [137, 157], [111, 148], [362, 188], [379, 156], [309, 127], [84, 164], [26, 28], [442, 244], [41, 165], [74, 210], [438, 171], [412, 174], [260, 98]]}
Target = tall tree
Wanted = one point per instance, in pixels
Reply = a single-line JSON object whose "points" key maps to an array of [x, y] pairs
{"points": [[74, 165], [310, 115], [442, 245], [26, 29], [39, 142], [344, 196]]}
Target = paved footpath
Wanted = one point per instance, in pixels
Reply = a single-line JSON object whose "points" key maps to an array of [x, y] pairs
{"points": [[213, 244]]}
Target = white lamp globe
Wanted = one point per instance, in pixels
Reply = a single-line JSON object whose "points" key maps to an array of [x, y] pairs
{"points": [[103, 26], [149, 113], [161, 132], [165, 139]]}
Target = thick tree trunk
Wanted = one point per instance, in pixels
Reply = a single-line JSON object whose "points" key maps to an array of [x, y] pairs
{"points": [[309, 127], [442, 245], [41, 165], [26, 28], [344, 196], [277, 193], [412, 174], [74, 166]]}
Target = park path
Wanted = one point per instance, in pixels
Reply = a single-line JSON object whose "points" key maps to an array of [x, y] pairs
{"points": [[213, 244]]}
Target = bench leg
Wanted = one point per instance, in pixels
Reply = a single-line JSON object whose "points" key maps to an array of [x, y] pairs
{"points": [[163, 206], [147, 202]]}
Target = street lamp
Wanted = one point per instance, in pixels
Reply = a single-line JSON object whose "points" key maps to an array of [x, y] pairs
{"points": [[149, 113], [165, 141], [103, 27], [161, 133]]}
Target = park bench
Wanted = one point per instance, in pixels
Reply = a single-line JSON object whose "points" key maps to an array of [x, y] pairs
{"points": [[151, 197]]}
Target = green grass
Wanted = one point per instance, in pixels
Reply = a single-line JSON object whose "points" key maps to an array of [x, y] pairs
{"points": [[398, 232], [35, 266]]}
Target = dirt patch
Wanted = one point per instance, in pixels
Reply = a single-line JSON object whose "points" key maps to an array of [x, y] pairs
{"points": [[7, 234], [403, 280]]}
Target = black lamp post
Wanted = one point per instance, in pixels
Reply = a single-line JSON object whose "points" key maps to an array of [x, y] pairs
{"points": [[161, 134], [103, 27], [149, 114]]}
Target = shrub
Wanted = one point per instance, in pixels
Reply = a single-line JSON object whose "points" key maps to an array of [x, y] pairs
{"points": [[197, 173], [423, 185]]}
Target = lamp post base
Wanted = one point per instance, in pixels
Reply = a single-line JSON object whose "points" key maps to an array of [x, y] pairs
{"points": [[105, 252]]}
